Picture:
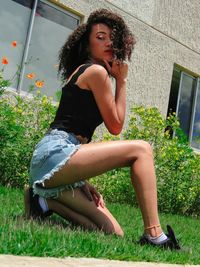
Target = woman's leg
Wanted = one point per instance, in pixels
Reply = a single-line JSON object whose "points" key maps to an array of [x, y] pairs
{"points": [[70, 215], [76, 208], [96, 158]]}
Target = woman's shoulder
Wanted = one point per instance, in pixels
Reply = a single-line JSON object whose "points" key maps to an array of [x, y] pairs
{"points": [[96, 70], [95, 77], [89, 74]]}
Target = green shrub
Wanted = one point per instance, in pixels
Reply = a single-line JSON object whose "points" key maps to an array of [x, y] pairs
{"points": [[23, 121], [116, 186], [177, 166]]}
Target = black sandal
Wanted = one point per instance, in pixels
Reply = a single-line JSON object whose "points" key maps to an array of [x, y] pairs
{"points": [[170, 243]]}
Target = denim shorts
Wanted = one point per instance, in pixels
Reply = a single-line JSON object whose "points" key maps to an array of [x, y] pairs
{"points": [[49, 156]]}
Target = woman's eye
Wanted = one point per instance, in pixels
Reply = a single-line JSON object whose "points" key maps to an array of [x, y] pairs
{"points": [[100, 37]]}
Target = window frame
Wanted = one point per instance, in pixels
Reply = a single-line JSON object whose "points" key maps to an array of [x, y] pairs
{"points": [[196, 78]]}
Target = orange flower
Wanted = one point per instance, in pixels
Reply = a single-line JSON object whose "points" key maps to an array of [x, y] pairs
{"points": [[14, 43], [39, 84], [30, 76], [4, 61]]}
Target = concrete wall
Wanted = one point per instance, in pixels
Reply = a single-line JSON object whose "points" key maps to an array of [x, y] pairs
{"points": [[167, 33]]}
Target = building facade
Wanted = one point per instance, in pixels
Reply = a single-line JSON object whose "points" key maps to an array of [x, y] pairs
{"points": [[165, 66]]}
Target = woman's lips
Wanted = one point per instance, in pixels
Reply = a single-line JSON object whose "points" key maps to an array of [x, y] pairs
{"points": [[108, 51]]}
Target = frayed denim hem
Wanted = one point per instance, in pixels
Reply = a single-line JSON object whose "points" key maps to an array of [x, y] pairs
{"points": [[38, 185]]}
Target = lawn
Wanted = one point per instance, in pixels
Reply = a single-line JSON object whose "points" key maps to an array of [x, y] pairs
{"points": [[56, 238]]}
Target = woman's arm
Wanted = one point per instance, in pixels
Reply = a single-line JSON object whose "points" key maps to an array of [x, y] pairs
{"points": [[112, 107]]}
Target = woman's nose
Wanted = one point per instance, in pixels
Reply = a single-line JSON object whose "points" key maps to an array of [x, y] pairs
{"points": [[109, 43]]}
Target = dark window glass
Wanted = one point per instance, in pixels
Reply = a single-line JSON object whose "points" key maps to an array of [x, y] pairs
{"points": [[56, 15], [196, 127], [174, 91], [184, 112], [26, 3]]}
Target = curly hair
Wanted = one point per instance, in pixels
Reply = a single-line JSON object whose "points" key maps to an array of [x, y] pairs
{"points": [[75, 50]]}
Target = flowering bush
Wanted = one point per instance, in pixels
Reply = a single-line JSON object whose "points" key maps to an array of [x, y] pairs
{"points": [[6, 83], [3, 83], [23, 121]]}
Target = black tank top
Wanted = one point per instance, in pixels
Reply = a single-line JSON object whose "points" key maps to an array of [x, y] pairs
{"points": [[78, 112]]}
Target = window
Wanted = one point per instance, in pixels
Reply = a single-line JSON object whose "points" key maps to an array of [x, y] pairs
{"points": [[40, 29], [14, 21], [185, 101]]}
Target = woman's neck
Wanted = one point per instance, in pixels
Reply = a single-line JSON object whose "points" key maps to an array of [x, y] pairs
{"points": [[95, 61]]}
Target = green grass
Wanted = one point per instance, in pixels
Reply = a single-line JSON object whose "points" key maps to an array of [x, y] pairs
{"points": [[56, 238]]}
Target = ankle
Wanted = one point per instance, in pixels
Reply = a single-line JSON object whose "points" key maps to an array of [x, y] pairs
{"points": [[154, 230]]}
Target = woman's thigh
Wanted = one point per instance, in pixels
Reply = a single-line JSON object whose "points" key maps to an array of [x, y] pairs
{"points": [[96, 158], [100, 216]]}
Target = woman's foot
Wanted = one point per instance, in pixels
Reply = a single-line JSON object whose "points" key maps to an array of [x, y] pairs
{"points": [[32, 205], [170, 242]]}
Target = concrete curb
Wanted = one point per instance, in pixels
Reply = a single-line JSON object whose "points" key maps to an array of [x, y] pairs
{"points": [[25, 261]]}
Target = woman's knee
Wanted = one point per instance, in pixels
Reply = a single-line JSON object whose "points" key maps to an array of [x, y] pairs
{"points": [[119, 232], [143, 148], [111, 229], [106, 222], [111, 226]]}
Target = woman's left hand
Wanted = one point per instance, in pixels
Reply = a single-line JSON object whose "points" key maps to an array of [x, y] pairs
{"points": [[93, 195], [118, 69]]}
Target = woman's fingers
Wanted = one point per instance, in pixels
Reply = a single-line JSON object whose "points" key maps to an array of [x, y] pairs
{"points": [[101, 202], [98, 199], [117, 69], [93, 195], [85, 189]]}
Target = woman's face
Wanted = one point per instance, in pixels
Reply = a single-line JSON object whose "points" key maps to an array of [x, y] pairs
{"points": [[100, 44]]}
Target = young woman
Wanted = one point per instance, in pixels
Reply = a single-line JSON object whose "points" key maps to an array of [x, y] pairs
{"points": [[64, 159]]}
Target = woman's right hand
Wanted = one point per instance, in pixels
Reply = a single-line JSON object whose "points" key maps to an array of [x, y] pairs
{"points": [[118, 69], [92, 194]]}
